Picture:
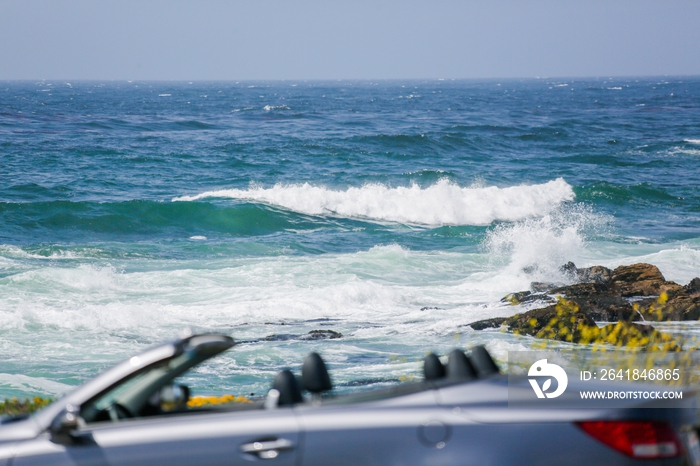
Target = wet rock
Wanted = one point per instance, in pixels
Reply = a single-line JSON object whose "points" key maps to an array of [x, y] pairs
{"points": [[637, 335], [598, 301], [680, 307], [582, 290], [569, 269], [312, 335], [685, 307], [543, 287], [566, 322], [524, 297], [321, 335], [626, 295], [496, 322], [516, 298], [428, 308], [694, 286], [275, 337], [365, 382], [595, 274], [535, 322], [641, 280]]}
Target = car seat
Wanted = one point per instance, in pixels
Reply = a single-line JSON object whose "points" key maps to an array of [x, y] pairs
{"points": [[314, 375], [289, 392], [483, 362], [433, 368], [459, 367]]}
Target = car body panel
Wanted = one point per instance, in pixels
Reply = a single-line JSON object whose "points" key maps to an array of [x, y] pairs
{"points": [[182, 440]]}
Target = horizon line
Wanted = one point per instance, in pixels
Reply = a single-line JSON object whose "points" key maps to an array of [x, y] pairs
{"points": [[533, 78]]}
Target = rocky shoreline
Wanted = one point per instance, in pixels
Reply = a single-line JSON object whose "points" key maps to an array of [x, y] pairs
{"points": [[624, 296]]}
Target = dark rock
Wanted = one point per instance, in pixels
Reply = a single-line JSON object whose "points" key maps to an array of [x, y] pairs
{"points": [[694, 286], [581, 290], [679, 307], [524, 297], [365, 382], [529, 270], [516, 298], [569, 269], [496, 322], [595, 274], [543, 287], [427, 308], [685, 307], [535, 322], [321, 335], [638, 335], [603, 295], [276, 337], [566, 322], [641, 280], [602, 311], [598, 301], [312, 335]]}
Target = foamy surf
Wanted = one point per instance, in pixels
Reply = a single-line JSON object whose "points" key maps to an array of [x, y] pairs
{"points": [[443, 203], [39, 384]]}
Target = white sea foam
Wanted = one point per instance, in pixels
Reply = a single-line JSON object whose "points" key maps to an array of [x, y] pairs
{"points": [[267, 108], [443, 203], [683, 151], [34, 384], [534, 249], [15, 252], [692, 141], [386, 299]]}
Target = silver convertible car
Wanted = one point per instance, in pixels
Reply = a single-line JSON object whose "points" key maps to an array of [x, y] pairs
{"points": [[137, 413]]}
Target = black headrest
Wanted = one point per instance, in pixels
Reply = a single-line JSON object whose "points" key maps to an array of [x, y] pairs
{"points": [[433, 368], [459, 367], [286, 384], [483, 362], [314, 375]]}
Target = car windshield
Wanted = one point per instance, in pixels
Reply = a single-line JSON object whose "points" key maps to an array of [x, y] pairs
{"points": [[142, 393]]}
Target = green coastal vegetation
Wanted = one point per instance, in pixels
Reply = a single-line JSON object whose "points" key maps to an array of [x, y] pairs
{"points": [[19, 407]]}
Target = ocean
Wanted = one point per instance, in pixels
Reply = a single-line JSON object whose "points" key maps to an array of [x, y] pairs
{"points": [[392, 212]]}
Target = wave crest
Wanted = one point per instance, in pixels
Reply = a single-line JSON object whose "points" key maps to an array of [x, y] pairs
{"points": [[443, 203]]}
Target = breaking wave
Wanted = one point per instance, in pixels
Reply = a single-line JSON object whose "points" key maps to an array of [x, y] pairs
{"points": [[443, 203]]}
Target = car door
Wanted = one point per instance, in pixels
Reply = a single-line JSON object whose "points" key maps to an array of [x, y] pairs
{"points": [[196, 439], [378, 434]]}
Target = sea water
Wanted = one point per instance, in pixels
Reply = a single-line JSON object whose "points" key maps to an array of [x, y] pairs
{"points": [[392, 212]]}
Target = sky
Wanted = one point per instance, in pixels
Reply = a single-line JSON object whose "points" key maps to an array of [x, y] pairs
{"points": [[351, 39]]}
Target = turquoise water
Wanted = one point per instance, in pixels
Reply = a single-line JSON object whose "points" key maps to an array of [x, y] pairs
{"points": [[130, 211]]}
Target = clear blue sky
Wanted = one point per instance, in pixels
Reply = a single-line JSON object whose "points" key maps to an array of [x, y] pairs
{"points": [[327, 39]]}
